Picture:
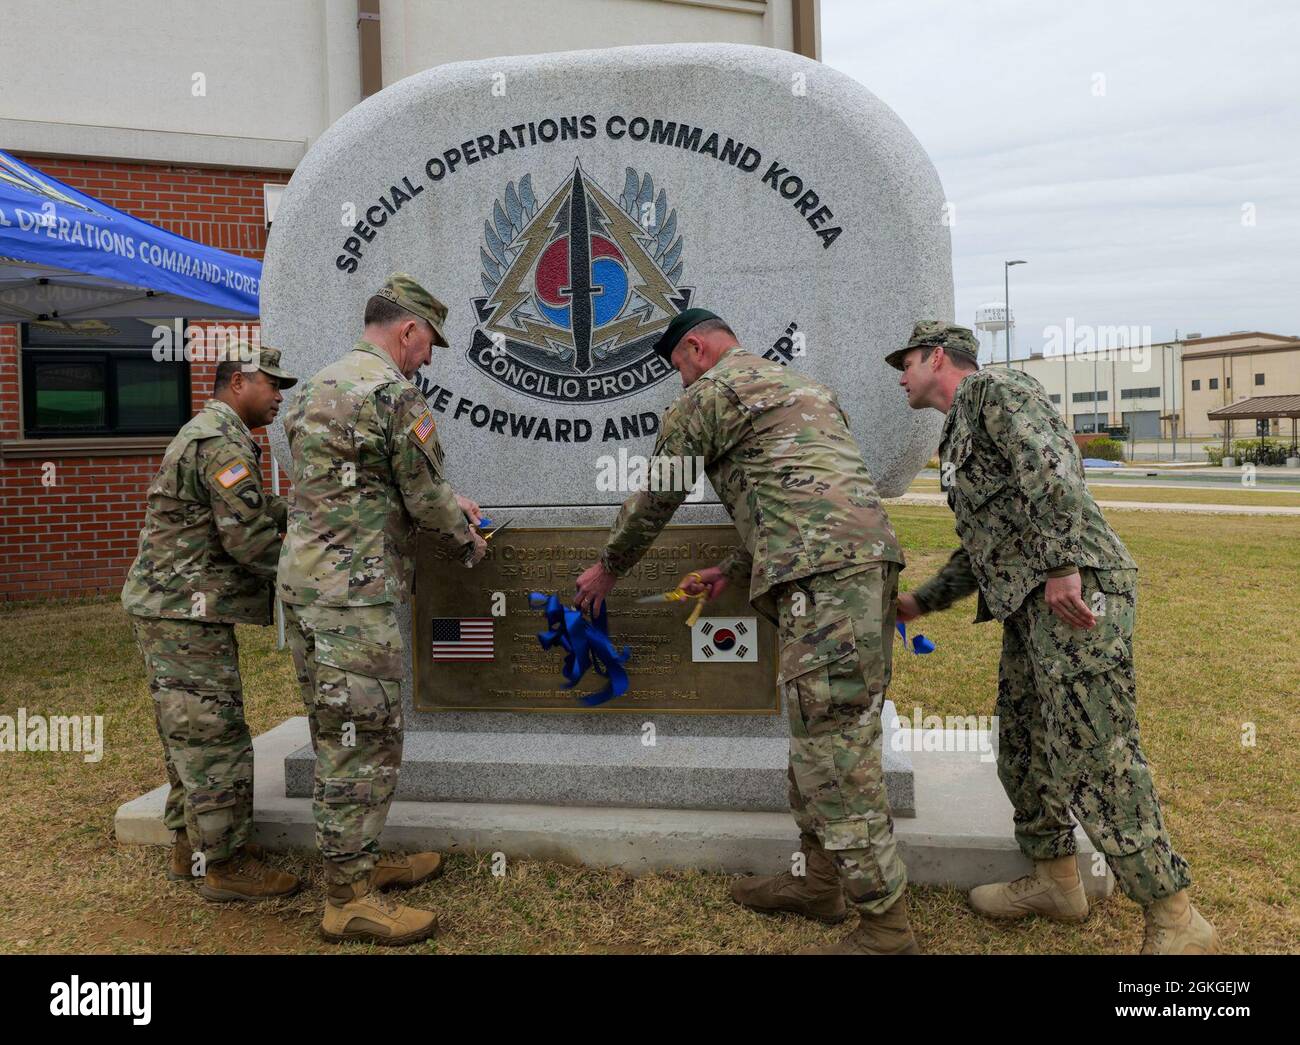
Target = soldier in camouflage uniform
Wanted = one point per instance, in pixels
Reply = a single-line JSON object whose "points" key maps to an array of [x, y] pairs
{"points": [[821, 560], [1046, 563], [367, 472], [206, 560]]}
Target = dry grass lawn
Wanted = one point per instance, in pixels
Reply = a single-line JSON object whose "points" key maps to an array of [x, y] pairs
{"points": [[1216, 649]]}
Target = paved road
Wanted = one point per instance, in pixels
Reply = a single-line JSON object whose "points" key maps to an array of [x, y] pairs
{"points": [[1277, 481], [1140, 506]]}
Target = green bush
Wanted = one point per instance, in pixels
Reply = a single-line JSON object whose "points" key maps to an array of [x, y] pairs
{"points": [[1106, 449], [1246, 451]]}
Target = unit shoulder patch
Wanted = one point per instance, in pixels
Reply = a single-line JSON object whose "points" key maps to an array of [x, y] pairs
{"points": [[238, 484]]}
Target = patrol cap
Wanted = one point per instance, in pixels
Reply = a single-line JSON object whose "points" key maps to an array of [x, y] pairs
{"points": [[954, 340], [402, 290], [263, 358], [681, 325]]}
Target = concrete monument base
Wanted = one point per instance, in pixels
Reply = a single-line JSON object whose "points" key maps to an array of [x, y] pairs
{"points": [[568, 769], [961, 835]]}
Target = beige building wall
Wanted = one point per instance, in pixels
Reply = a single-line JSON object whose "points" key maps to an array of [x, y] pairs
{"points": [[252, 83], [419, 34], [241, 83], [1142, 381], [1223, 370], [1187, 378]]}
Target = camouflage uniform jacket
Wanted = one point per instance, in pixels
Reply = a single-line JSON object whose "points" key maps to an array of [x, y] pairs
{"points": [[211, 536], [367, 473], [777, 449], [1015, 482]]}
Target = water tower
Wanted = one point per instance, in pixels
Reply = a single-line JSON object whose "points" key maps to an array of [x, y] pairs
{"points": [[993, 317]]}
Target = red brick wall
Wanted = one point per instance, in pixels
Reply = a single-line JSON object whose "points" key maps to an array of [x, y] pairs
{"points": [[8, 386], [78, 537]]}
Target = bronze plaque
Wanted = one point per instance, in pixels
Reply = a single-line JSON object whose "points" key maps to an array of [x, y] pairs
{"points": [[467, 659]]}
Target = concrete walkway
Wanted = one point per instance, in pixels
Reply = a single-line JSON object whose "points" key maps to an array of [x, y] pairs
{"points": [[1137, 506]]}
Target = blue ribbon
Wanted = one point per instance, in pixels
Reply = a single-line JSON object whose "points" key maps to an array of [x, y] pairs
{"points": [[587, 645], [483, 521], [920, 644]]}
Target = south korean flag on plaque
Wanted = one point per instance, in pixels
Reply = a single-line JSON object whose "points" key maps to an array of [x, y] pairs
{"points": [[725, 640]]}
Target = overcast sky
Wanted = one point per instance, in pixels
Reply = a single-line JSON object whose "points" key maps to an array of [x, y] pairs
{"points": [[1128, 204]]}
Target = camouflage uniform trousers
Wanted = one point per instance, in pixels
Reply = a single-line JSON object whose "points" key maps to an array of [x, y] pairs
{"points": [[198, 699], [349, 661], [836, 659], [1068, 739]]}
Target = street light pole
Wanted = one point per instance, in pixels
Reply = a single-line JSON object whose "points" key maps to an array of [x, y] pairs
{"points": [[1006, 301], [1178, 378], [1094, 389], [1065, 398]]}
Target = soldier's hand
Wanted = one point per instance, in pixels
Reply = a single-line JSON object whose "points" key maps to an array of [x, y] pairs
{"points": [[1064, 597], [907, 607], [471, 510], [594, 584], [711, 582], [479, 549]]}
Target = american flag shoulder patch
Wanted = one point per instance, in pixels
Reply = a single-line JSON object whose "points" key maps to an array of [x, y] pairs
{"points": [[235, 473], [423, 428]]}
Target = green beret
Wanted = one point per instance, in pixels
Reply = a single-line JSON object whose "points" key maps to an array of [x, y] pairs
{"points": [[681, 325]]}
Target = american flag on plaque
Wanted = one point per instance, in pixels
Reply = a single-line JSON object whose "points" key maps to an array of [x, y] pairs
{"points": [[460, 639], [725, 640]]}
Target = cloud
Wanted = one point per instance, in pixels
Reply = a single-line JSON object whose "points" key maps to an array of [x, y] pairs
{"points": [[1121, 149]]}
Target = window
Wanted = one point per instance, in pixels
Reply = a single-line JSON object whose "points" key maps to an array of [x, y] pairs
{"points": [[1227, 383], [99, 378], [1196, 385], [1214, 382], [1259, 379], [1139, 393], [1056, 397], [1087, 397]]}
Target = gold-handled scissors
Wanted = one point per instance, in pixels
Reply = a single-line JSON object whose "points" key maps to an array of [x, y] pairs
{"points": [[681, 595], [492, 533]]}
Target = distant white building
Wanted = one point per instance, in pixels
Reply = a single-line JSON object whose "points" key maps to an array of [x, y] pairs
{"points": [[1139, 387], [1144, 387]]}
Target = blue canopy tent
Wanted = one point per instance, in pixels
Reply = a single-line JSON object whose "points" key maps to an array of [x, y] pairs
{"points": [[65, 255]]}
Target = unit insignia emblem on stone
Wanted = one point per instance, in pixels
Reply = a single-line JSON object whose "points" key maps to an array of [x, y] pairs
{"points": [[578, 289]]}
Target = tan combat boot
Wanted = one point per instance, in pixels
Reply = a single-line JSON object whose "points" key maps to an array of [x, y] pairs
{"points": [[359, 912], [817, 894], [889, 932], [180, 867], [1054, 891], [245, 877], [1174, 926], [393, 871]]}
